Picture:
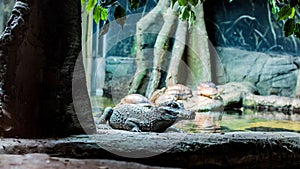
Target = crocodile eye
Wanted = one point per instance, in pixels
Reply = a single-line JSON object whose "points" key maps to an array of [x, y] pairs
{"points": [[174, 105]]}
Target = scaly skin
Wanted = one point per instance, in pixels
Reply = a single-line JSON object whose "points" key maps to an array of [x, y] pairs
{"points": [[138, 118]]}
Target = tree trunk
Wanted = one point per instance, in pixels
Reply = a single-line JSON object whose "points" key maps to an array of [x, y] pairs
{"points": [[190, 58], [161, 50], [39, 49], [144, 27], [177, 53], [297, 88], [198, 56]]}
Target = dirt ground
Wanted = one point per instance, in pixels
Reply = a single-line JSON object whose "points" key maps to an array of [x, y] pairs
{"points": [[44, 161]]}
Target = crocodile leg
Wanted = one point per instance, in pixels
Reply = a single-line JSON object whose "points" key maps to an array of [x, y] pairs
{"points": [[175, 130], [106, 115], [131, 123]]}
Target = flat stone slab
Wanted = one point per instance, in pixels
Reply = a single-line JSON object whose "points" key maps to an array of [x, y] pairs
{"points": [[38, 161], [233, 150]]}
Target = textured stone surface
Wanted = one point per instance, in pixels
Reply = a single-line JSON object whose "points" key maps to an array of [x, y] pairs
{"points": [[276, 102], [232, 93], [38, 161], [271, 74], [206, 150]]}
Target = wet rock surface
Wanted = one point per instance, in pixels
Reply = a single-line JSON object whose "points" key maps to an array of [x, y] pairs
{"points": [[211, 150]]}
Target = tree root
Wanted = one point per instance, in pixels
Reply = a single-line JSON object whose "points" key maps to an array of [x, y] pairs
{"points": [[144, 26], [161, 50], [177, 53], [11, 38], [198, 55], [187, 44]]}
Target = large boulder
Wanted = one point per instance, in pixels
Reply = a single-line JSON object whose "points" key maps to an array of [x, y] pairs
{"points": [[271, 74], [233, 92]]}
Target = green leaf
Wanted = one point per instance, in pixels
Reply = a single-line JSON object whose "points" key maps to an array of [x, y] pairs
{"points": [[103, 14], [96, 14], [275, 9], [292, 13], [90, 5], [285, 12], [184, 13], [182, 2], [289, 27], [194, 2], [100, 13], [120, 15]]}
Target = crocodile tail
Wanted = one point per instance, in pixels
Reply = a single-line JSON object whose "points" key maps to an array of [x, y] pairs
{"points": [[106, 115]]}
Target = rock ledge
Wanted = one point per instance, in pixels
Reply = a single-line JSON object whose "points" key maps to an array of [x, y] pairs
{"points": [[234, 150]]}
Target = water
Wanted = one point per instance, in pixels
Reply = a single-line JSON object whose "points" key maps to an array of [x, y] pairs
{"points": [[246, 120], [99, 104]]}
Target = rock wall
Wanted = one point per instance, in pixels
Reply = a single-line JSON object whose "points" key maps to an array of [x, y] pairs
{"points": [[119, 71], [270, 73]]}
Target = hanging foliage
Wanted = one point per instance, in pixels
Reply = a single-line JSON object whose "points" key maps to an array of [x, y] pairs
{"points": [[288, 11], [100, 9]]}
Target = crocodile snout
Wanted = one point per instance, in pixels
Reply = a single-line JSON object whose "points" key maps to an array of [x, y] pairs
{"points": [[178, 112], [186, 114]]}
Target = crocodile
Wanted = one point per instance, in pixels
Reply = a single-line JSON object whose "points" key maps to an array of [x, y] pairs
{"points": [[139, 118]]}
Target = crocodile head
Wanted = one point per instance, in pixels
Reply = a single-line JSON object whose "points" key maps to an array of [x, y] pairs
{"points": [[175, 109]]}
